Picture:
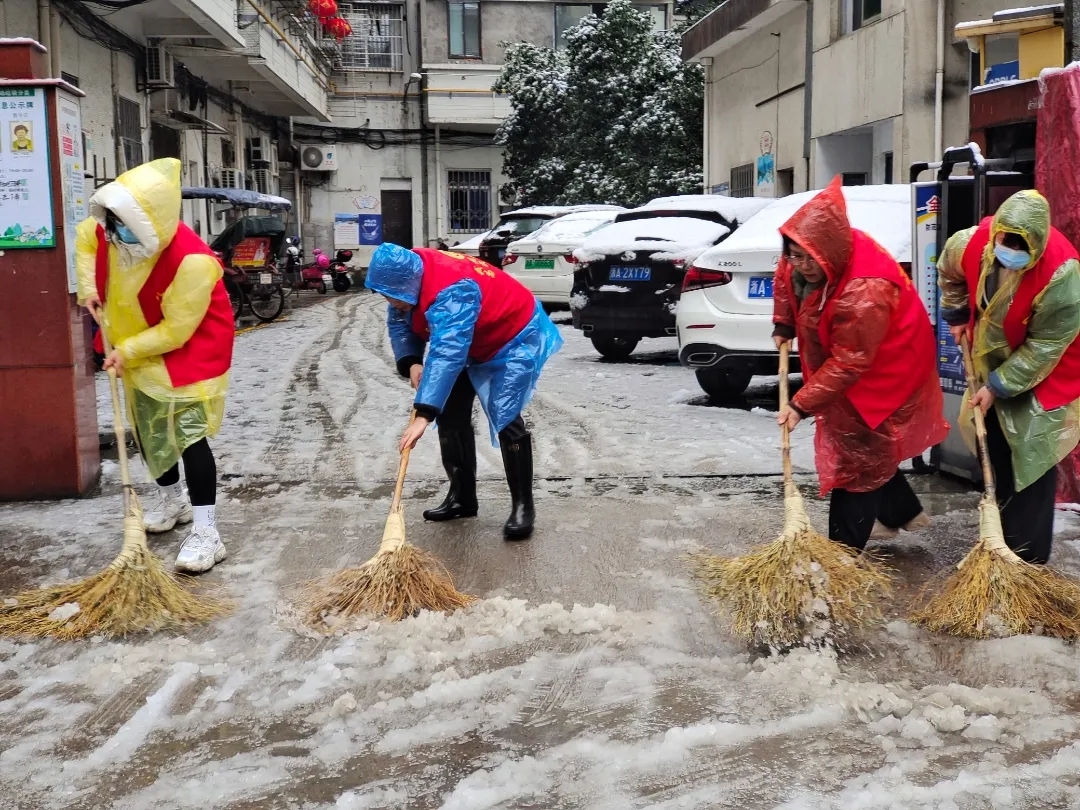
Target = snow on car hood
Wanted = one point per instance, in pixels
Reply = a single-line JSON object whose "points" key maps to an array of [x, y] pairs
{"points": [[669, 238], [882, 211]]}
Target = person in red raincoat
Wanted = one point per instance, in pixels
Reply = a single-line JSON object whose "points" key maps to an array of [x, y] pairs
{"points": [[869, 366]]}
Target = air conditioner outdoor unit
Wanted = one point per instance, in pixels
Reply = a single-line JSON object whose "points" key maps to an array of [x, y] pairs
{"points": [[232, 178], [318, 158], [508, 194], [263, 180], [159, 67], [260, 150]]}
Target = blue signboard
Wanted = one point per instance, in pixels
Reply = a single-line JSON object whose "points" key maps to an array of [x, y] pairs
{"points": [[371, 229], [950, 360], [1003, 72]]}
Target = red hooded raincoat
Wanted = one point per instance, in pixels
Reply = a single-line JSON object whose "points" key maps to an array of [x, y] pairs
{"points": [[867, 350]]}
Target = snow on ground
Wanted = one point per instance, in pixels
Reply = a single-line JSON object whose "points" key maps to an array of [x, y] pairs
{"points": [[590, 676]]}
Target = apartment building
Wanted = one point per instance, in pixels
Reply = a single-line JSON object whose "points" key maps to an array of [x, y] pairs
{"points": [[818, 88]]}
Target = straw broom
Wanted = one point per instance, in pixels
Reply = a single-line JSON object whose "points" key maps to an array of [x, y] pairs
{"points": [[802, 588], [134, 594], [399, 581], [993, 592]]}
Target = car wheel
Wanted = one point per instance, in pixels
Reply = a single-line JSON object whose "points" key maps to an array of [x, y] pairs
{"points": [[615, 348], [724, 383]]}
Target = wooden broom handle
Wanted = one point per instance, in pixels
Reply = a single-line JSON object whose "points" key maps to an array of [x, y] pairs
{"points": [[785, 433], [402, 467], [980, 422], [118, 416]]}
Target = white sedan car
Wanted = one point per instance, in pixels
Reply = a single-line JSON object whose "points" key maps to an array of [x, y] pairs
{"points": [[724, 318], [544, 261]]}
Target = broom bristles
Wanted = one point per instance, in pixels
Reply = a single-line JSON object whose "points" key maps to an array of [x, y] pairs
{"points": [[801, 588], [397, 582], [994, 593], [134, 594]]}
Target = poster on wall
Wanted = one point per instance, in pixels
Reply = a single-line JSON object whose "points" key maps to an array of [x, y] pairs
{"points": [[346, 231], [765, 166], [26, 209], [72, 175], [371, 229]]}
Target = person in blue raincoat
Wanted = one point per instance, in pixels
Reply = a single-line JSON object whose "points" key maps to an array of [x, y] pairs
{"points": [[485, 336]]}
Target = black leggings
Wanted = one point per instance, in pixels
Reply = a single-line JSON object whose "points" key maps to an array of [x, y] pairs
{"points": [[200, 470], [1027, 516], [852, 514], [457, 413]]}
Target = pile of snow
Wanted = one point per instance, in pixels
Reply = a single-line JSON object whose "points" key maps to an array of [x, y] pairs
{"points": [[882, 211], [571, 229], [668, 238]]}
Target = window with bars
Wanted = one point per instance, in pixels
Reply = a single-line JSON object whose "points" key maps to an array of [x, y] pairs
{"points": [[377, 40], [742, 181], [129, 131], [469, 195], [464, 30]]}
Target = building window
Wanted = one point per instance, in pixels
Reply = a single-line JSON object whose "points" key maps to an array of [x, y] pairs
{"points": [[854, 178], [228, 154], [377, 38], [464, 30], [70, 78], [742, 181], [129, 125], [569, 15], [888, 176], [470, 201], [864, 12]]}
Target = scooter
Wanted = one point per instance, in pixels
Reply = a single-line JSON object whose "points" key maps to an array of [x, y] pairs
{"points": [[340, 272], [316, 276]]}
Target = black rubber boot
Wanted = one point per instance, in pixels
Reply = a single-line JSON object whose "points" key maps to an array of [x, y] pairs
{"points": [[518, 461], [459, 460]]}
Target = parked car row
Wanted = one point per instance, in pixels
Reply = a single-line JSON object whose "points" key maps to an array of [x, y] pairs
{"points": [[696, 267]]}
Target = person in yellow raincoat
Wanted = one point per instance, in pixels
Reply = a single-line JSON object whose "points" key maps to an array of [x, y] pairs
{"points": [[1011, 286], [156, 290]]}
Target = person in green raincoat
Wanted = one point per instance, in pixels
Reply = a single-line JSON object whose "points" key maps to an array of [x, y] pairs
{"points": [[1011, 287]]}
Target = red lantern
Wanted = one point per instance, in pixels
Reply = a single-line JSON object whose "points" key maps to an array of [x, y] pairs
{"points": [[323, 9], [338, 28]]}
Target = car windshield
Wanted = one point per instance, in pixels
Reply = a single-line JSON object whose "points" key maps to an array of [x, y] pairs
{"points": [[573, 227], [518, 226]]}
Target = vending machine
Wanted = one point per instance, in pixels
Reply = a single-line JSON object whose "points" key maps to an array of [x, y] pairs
{"points": [[941, 207]]}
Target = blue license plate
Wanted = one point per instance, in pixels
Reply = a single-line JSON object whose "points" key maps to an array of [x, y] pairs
{"points": [[627, 273], [760, 287]]}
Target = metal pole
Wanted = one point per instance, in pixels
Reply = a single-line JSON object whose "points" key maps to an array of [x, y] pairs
{"points": [[1072, 31]]}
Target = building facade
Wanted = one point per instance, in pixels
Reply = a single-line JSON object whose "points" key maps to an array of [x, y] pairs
{"points": [[387, 135], [820, 88]]}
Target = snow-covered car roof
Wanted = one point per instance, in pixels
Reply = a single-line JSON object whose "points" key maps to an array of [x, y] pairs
{"points": [[730, 208], [882, 211], [571, 229], [558, 210], [669, 237]]}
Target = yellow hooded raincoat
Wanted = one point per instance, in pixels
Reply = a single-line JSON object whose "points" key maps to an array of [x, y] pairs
{"points": [[167, 420], [1038, 439]]}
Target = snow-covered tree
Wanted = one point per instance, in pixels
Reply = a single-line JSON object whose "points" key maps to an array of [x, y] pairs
{"points": [[616, 117]]}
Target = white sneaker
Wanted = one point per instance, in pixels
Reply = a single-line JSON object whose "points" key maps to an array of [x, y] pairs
{"points": [[164, 512], [201, 551]]}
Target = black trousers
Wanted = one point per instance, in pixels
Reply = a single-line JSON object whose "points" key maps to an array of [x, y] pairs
{"points": [[200, 470], [457, 413], [852, 514], [1026, 516]]}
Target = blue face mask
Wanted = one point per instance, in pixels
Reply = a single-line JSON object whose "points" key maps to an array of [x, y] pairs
{"points": [[125, 235], [1011, 258]]}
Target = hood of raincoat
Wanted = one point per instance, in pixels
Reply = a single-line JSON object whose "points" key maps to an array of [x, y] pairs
{"points": [[147, 200], [1026, 214], [822, 229], [395, 272]]}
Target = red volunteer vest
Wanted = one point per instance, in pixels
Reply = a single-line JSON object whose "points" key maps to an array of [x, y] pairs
{"points": [[506, 306], [208, 352], [907, 355], [1062, 386]]}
